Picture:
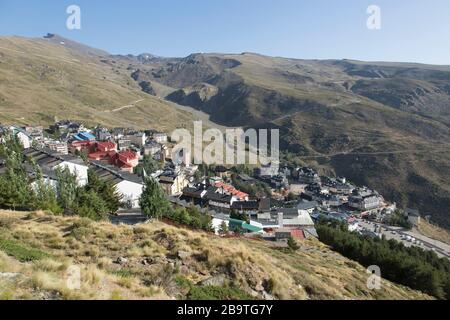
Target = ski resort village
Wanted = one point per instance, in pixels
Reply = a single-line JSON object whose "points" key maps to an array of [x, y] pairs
{"points": [[129, 176]]}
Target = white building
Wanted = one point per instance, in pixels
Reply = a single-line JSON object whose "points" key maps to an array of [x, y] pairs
{"points": [[48, 160], [138, 139], [24, 138], [160, 137], [129, 186]]}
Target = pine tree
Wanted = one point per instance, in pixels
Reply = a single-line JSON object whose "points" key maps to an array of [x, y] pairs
{"points": [[66, 189], [44, 194], [90, 205], [292, 244], [106, 191], [153, 202], [223, 229], [14, 189]]}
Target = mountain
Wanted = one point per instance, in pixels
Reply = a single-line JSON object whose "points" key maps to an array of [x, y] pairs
{"points": [[41, 79], [385, 125], [160, 261]]}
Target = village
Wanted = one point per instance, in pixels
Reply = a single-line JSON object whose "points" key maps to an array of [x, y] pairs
{"points": [[263, 202]]}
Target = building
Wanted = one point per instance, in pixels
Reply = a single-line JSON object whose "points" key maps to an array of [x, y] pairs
{"points": [[195, 194], [138, 139], [49, 160], [219, 201], [151, 148], [308, 176], [160, 137], [246, 206], [57, 146], [288, 219], [245, 227], [66, 126], [173, 182], [84, 136], [308, 206], [413, 216], [25, 139], [102, 134], [129, 186], [124, 144], [230, 190], [269, 170], [222, 172], [364, 203]]}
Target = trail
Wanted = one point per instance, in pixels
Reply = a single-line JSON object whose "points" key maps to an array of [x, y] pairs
{"points": [[131, 105]]}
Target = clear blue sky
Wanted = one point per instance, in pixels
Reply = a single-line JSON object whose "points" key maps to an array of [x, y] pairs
{"points": [[412, 30]]}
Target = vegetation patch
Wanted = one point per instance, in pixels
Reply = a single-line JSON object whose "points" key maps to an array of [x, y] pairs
{"points": [[414, 267], [21, 252]]}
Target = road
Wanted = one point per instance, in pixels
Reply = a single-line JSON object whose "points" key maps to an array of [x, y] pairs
{"points": [[396, 233]]}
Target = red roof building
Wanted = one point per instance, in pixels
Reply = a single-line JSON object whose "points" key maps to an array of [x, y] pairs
{"points": [[107, 152], [232, 190]]}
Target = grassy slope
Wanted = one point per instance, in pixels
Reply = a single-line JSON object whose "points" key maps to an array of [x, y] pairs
{"points": [[434, 232], [40, 80], [54, 243]]}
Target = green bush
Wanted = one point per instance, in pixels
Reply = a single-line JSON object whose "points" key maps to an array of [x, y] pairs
{"points": [[20, 252]]}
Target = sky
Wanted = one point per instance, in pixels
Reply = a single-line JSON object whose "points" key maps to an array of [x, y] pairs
{"points": [[411, 30]]}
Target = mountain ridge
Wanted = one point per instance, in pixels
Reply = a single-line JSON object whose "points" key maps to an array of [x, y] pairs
{"points": [[340, 116]]}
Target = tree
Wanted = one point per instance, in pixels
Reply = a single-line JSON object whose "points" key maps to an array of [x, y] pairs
{"points": [[15, 191], [292, 244], [239, 216], [223, 229], [148, 164], [153, 202], [90, 205], [44, 194], [107, 192], [66, 189]]}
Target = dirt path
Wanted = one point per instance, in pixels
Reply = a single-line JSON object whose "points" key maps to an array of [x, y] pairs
{"points": [[132, 105]]}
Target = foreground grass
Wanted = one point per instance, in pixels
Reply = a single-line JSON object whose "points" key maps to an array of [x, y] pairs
{"points": [[158, 261]]}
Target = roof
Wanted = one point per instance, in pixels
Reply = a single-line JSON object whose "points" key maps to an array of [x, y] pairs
{"points": [[110, 174], [128, 154], [50, 158], [245, 205], [193, 192], [83, 136], [245, 177], [218, 197], [231, 189], [221, 169], [307, 205], [250, 227], [106, 144]]}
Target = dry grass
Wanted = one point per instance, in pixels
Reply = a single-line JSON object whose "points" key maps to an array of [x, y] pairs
{"points": [[434, 232], [154, 270]]}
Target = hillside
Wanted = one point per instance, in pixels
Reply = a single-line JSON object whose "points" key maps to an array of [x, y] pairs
{"points": [[41, 79], [434, 232], [159, 261], [385, 125]]}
